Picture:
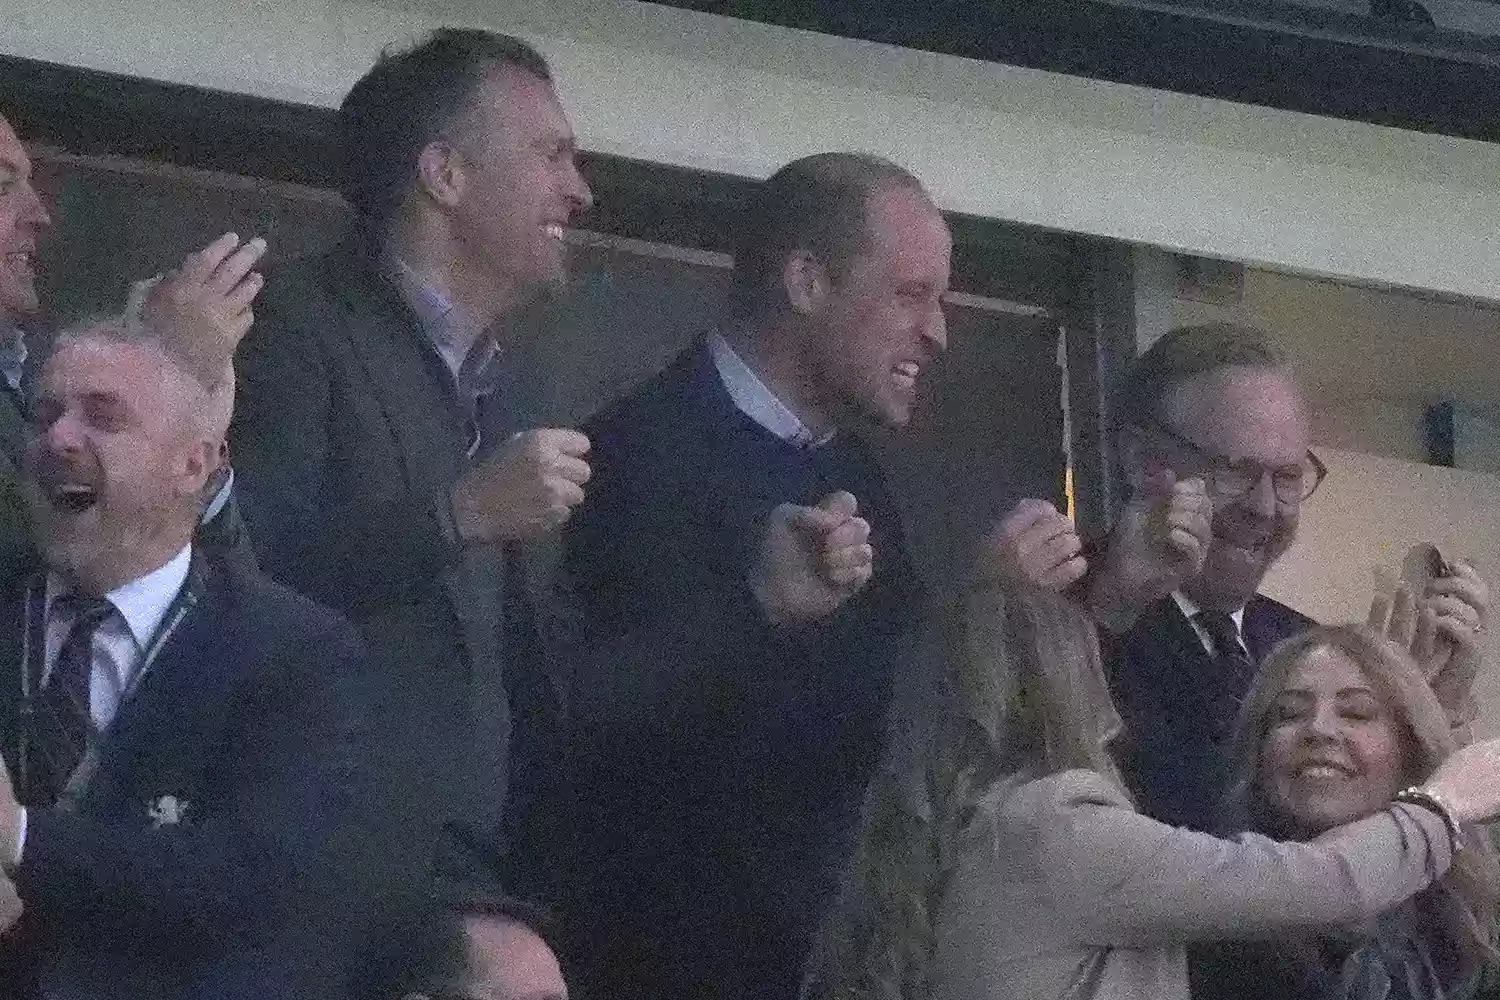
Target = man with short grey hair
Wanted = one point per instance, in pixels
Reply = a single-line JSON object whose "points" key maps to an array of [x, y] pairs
{"points": [[179, 734], [200, 310]]}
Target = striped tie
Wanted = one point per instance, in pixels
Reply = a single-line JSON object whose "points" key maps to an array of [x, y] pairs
{"points": [[1234, 670], [63, 722]]}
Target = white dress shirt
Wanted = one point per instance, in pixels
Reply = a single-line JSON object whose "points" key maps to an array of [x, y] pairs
{"points": [[120, 643], [1191, 609], [754, 398]]}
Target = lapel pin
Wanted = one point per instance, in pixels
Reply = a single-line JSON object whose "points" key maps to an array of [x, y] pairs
{"points": [[168, 810]]}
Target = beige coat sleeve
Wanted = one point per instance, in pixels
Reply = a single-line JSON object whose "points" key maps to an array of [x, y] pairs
{"points": [[1125, 880]]}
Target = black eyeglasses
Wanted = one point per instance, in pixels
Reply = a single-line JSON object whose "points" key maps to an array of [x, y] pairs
{"points": [[1228, 480]]}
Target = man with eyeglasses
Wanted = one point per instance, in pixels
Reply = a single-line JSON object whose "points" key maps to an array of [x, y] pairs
{"points": [[1213, 434]]}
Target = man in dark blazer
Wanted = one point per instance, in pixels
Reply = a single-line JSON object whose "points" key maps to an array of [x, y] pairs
{"points": [[378, 464], [183, 739], [1178, 704], [743, 564], [1214, 437]]}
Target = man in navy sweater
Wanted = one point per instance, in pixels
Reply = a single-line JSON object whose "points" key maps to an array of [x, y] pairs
{"points": [[743, 565]]}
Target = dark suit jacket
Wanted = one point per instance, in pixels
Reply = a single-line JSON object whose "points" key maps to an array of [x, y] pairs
{"points": [[347, 439], [252, 716], [717, 765], [15, 528], [1161, 678]]}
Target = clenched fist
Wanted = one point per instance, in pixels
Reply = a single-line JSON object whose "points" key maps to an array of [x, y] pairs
{"points": [[812, 560], [1035, 544], [1159, 544], [526, 489]]}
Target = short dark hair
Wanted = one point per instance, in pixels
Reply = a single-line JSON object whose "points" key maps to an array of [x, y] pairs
{"points": [[406, 100], [419, 942], [817, 205], [1184, 353]]}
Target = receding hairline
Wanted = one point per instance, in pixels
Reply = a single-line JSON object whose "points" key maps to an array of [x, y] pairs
{"points": [[465, 119], [192, 400], [1187, 353], [1212, 382], [818, 204]]}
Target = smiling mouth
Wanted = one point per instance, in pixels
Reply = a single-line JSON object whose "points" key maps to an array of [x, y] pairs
{"points": [[72, 498], [21, 261], [1323, 770], [905, 375], [554, 230]]}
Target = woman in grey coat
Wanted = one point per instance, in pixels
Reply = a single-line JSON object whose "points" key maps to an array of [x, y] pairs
{"points": [[1004, 858]]}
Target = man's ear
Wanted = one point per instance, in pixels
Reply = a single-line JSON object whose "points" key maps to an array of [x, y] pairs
{"points": [[200, 460], [806, 283], [441, 173]]}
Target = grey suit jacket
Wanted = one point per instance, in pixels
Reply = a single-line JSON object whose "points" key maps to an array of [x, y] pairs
{"points": [[1063, 890], [347, 439]]}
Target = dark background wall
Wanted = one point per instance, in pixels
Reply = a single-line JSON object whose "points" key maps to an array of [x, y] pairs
{"points": [[989, 431]]}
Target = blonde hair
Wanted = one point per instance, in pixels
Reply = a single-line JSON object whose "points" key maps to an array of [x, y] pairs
{"points": [[1024, 696], [1468, 896]]}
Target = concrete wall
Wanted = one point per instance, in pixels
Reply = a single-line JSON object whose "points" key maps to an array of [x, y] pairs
{"points": [[1210, 177], [1372, 359], [1368, 513]]}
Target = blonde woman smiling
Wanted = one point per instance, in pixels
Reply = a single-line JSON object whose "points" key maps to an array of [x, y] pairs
{"points": [[1007, 860]]}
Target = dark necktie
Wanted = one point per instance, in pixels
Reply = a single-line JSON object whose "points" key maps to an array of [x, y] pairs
{"points": [[1233, 671], [63, 722]]}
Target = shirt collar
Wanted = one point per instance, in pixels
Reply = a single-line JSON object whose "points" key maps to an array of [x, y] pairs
{"points": [[447, 324], [1191, 609], [754, 398], [12, 357], [143, 602]]}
